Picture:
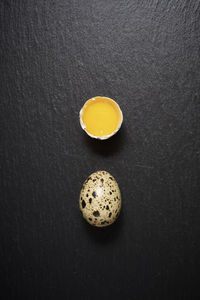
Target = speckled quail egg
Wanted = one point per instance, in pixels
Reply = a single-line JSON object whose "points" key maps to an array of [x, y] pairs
{"points": [[100, 199]]}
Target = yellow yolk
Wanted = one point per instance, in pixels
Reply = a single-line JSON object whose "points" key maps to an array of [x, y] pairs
{"points": [[101, 116]]}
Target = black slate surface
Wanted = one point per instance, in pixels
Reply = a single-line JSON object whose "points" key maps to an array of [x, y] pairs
{"points": [[54, 56]]}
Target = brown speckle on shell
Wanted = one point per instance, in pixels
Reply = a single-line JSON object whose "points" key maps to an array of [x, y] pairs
{"points": [[94, 194], [83, 204], [96, 213]]}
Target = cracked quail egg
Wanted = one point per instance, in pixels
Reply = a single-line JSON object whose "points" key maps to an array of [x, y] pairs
{"points": [[100, 199], [101, 117]]}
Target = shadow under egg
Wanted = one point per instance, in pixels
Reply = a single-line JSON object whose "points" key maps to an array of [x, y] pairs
{"points": [[105, 235], [106, 147]]}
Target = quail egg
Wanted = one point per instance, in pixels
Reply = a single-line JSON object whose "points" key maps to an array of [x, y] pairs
{"points": [[101, 117], [100, 199]]}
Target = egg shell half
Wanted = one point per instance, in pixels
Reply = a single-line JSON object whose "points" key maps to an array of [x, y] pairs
{"points": [[83, 126]]}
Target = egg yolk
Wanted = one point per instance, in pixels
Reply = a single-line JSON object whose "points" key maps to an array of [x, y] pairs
{"points": [[101, 116]]}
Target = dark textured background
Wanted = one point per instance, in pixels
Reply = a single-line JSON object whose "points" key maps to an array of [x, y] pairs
{"points": [[54, 56]]}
